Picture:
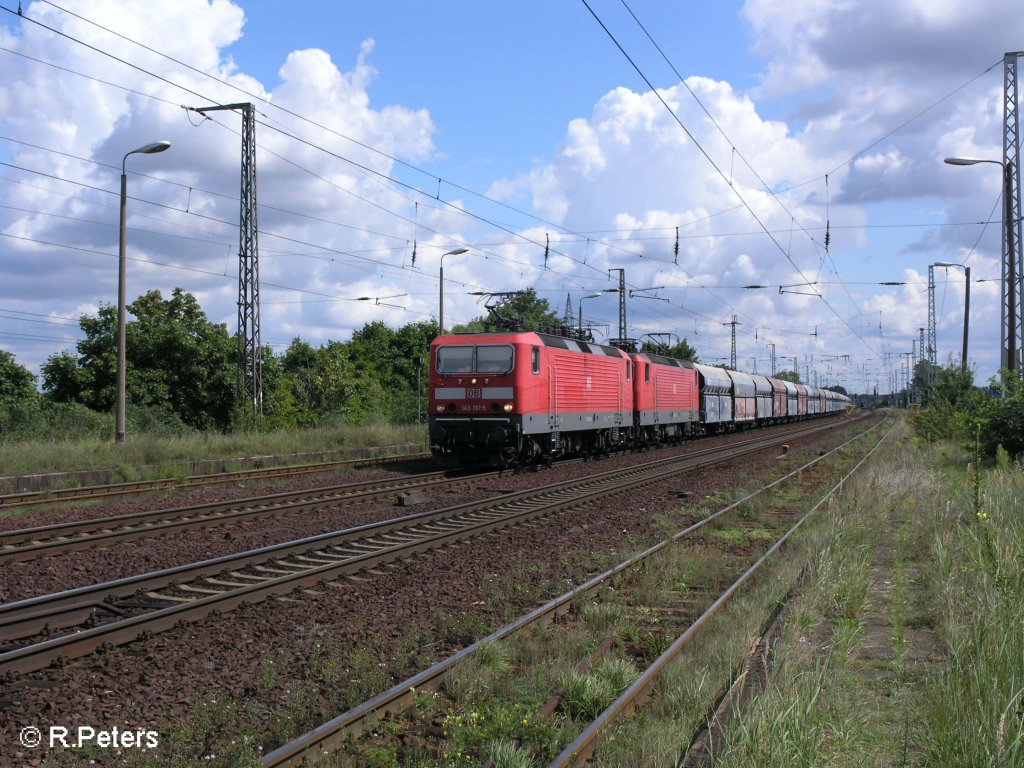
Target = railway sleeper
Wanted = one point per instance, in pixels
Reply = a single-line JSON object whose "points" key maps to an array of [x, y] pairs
{"points": [[274, 571], [319, 560], [199, 590], [349, 553], [230, 584], [170, 598], [359, 547]]}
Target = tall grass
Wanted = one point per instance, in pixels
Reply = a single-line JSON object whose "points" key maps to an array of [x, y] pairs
{"points": [[173, 455], [944, 550], [978, 699]]}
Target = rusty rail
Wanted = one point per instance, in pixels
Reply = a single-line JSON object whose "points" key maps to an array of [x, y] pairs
{"points": [[352, 724], [281, 568]]}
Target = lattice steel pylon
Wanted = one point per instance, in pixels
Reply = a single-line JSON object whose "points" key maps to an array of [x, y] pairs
{"points": [[732, 357], [932, 352], [1012, 318], [250, 363], [623, 342]]}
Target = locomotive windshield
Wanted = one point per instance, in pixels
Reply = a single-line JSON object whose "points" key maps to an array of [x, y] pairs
{"points": [[466, 358]]}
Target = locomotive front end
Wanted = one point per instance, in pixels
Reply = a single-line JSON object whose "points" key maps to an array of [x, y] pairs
{"points": [[472, 410]]}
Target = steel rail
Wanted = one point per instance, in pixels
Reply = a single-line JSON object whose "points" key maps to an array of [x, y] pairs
{"points": [[281, 568], [43, 608], [359, 720], [23, 544], [48, 540], [98, 593], [57, 495], [581, 749]]}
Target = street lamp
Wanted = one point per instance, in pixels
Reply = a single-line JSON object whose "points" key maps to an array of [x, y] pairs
{"points": [[1010, 287], [440, 298], [967, 305], [580, 305], [149, 149]]}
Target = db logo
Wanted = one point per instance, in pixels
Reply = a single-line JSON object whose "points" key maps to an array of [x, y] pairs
{"points": [[474, 393]]}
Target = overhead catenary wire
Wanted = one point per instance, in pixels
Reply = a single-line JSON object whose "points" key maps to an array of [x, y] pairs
{"points": [[267, 102], [236, 87], [456, 208], [713, 164], [588, 240]]}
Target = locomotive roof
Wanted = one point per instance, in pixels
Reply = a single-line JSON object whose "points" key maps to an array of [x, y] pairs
{"points": [[548, 340], [663, 360], [578, 345]]}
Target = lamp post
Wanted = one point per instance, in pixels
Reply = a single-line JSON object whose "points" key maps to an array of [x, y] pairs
{"points": [[580, 305], [440, 297], [1010, 273], [967, 306], [149, 149]]}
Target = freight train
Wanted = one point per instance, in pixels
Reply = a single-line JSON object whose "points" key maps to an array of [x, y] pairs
{"points": [[510, 399]]}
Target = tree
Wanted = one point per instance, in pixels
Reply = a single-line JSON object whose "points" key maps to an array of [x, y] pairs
{"points": [[180, 361], [176, 360], [17, 383], [281, 408], [792, 376], [957, 410], [63, 378], [680, 351], [923, 383], [91, 377], [372, 377], [19, 401], [1001, 419], [299, 378]]}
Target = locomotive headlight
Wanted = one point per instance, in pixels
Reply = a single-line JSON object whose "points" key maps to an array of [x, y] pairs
{"points": [[508, 407], [440, 408], [472, 381]]}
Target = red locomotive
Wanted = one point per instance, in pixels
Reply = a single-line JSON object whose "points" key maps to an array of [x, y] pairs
{"points": [[518, 397], [666, 398]]}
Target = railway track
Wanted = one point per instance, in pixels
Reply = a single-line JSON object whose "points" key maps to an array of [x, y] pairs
{"points": [[690, 620], [121, 611], [33, 498], [50, 540]]}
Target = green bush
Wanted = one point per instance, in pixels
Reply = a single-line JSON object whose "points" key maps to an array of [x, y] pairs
{"points": [[156, 422], [961, 413], [53, 422]]}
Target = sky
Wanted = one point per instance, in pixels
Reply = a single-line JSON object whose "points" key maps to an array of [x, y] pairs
{"points": [[700, 147]]}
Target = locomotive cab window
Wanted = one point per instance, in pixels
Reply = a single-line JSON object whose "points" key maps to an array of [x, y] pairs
{"points": [[466, 358], [455, 359], [647, 372], [496, 358], [535, 359]]}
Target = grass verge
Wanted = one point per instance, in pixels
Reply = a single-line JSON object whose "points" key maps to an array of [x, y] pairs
{"points": [[907, 648], [173, 456]]}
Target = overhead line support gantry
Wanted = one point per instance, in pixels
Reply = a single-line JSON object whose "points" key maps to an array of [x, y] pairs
{"points": [[250, 364]]}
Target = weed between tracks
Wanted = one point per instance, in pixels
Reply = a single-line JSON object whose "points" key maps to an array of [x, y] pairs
{"points": [[519, 702], [905, 648], [488, 708]]}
